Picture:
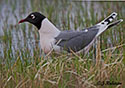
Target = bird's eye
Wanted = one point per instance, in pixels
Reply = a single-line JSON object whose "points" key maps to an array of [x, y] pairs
{"points": [[32, 16]]}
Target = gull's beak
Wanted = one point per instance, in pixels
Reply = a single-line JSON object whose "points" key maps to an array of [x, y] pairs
{"points": [[21, 21]]}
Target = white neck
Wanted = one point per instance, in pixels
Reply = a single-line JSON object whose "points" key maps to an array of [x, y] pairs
{"points": [[48, 29]]}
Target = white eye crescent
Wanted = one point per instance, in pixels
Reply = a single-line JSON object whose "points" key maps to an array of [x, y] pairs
{"points": [[33, 17]]}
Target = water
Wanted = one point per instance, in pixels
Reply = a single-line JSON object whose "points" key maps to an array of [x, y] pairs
{"points": [[23, 40]]}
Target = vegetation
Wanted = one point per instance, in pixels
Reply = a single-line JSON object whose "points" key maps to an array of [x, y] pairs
{"points": [[23, 65]]}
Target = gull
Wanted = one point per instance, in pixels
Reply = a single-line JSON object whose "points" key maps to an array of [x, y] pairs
{"points": [[51, 38]]}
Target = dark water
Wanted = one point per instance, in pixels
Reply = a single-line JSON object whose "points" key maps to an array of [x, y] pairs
{"points": [[17, 40]]}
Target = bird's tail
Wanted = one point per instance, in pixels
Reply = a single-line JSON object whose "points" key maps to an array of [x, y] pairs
{"points": [[106, 23]]}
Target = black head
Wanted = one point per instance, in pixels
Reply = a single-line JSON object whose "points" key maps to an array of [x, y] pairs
{"points": [[34, 18]]}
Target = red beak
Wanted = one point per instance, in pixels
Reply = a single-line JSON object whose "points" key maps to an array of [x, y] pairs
{"points": [[21, 21]]}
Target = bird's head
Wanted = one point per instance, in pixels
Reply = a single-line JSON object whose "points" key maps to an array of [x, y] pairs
{"points": [[34, 18]]}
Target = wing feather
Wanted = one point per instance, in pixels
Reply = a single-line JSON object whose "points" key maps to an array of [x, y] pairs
{"points": [[76, 40]]}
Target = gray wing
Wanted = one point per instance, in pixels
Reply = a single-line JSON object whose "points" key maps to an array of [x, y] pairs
{"points": [[76, 40]]}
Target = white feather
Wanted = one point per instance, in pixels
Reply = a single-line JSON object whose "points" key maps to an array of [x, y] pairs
{"points": [[102, 28], [47, 34]]}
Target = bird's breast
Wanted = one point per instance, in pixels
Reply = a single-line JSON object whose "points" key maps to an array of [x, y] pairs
{"points": [[47, 44]]}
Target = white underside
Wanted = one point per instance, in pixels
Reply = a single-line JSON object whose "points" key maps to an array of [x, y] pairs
{"points": [[48, 43]]}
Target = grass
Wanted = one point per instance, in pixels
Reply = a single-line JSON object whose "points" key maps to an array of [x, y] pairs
{"points": [[23, 65]]}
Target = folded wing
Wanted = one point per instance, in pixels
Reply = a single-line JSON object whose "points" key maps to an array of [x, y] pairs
{"points": [[76, 40]]}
